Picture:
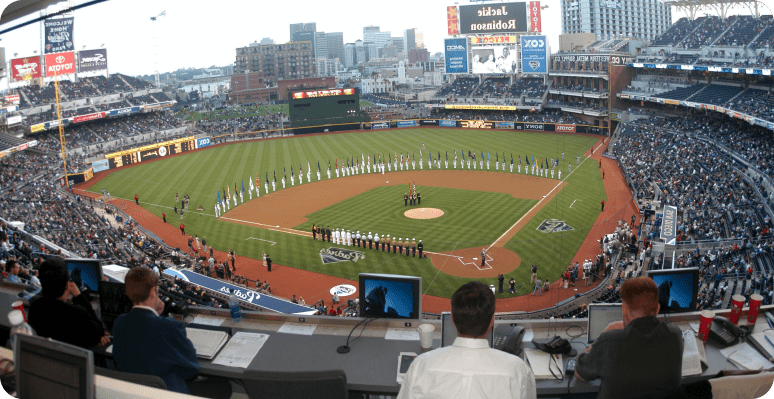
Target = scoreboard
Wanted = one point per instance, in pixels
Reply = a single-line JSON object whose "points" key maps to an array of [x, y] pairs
{"points": [[324, 107], [152, 151]]}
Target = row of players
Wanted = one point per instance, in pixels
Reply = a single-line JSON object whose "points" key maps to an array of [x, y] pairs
{"points": [[347, 238]]}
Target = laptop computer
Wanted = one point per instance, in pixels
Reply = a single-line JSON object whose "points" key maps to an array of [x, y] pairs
{"points": [[600, 315]]}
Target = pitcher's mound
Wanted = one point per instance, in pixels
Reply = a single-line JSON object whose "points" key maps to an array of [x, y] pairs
{"points": [[423, 213]]}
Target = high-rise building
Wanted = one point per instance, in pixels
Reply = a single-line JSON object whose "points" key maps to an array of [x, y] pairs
{"points": [[335, 45], [380, 39], [398, 42], [304, 36], [370, 29], [371, 51], [418, 55], [409, 39], [349, 55], [302, 27], [320, 45], [419, 39], [612, 19], [361, 54], [277, 61]]}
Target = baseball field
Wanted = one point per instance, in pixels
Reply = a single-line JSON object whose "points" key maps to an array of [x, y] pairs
{"points": [[521, 219]]}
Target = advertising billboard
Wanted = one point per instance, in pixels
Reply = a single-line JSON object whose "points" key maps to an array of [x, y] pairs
{"points": [[59, 35], [92, 60], [99, 166], [493, 18], [323, 93], [380, 125], [12, 99], [534, 54], [494, 39], [451, 20], [407, 123], [60, 63], [88, 117], [456, 55], [534, 17], [203, 142], [26, 68], [494, 59]]}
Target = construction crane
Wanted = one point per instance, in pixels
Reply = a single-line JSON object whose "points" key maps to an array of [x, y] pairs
{"points": [[155, 46]]}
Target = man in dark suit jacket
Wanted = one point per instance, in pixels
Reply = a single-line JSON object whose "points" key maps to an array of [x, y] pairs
{"points": [[328, 232], [148, 344], [268, 262], [52, 317]]}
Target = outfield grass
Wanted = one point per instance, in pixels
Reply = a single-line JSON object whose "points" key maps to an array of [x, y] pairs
{"points": [[471, 218], [202, 173]]}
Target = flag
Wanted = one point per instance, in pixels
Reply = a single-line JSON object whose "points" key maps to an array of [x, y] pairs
{"points": [[409, 188], [488, 158], [463, 155], [430, 153], [455, 154], [258, 181], [318, 166], [218, 197], [447, 155], [439, 155], [329, 164], [533, 160], [519, 158], [243, 185], [300, 169], [228, 195], [275, 176], [412, 156], [497, 158], [291, 170], [482, 155]]}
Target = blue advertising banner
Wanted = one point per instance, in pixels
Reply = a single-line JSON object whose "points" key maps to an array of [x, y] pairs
{"points": [[203, 142], [265, 301], [447, 123], [407, 123], [503, 125], [669, 225], [380, 125], [124, 111], [456, 55], [534, 54], [100, 165]]}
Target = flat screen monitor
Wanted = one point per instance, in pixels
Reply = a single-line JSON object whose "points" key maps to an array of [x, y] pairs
{"points": [[52, 369], [600, 315], [390, 296], [677, 289], [85, 272], [449, 331], [113, 302]]}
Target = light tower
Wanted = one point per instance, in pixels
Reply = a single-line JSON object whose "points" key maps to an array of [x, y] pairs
{"points": [[155, 46]]}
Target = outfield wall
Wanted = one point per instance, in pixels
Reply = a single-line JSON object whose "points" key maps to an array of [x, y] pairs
{"points": [[185, 144]]}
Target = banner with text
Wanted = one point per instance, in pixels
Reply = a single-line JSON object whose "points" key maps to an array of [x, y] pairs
{"points": [[92, 60], [60, 63], [534, 17], [59, 35], [669, 225], [456, 55], [534, 54], [26, 68], [493, 18]]}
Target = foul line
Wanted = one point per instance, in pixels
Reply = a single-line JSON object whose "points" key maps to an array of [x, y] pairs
{"points": [[539, 202], [260, 239], [573, 203]]}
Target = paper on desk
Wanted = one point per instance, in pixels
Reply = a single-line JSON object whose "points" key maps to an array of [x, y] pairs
{"points": [[296, 328], [209, 321], [544, 365], [746, 357], [693, 354], [109, 349], [694, 326], [528, 335], [402, 334], [241, 349]]}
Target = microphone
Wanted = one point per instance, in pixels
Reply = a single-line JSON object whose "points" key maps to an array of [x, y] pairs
{"points": [[345, 348]]}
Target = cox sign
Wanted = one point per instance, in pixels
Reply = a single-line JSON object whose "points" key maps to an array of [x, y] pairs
{"points": [[534, 54], [60, 63], [203, 142]]}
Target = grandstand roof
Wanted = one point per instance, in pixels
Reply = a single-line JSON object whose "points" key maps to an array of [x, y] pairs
{"points": [[721, 6]]}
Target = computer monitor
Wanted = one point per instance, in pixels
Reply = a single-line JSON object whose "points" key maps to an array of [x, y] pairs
{"points": [[113, 302], [85, 272], [449, 331], [52, 369], [600, 315], [677, 289], [390, 296]]}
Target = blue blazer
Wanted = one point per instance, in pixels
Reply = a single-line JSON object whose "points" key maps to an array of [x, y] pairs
{"points": [[147, 344]]}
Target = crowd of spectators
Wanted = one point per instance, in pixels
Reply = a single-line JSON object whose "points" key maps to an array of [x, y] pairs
{"points": [[461, 87], [493, 87], [530, 88], [85, 87], [544, 116]]}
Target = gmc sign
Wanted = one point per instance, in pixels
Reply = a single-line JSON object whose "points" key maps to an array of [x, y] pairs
{"points": [[533, 126], [565, 128]]}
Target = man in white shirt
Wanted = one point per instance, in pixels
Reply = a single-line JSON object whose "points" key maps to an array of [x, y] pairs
{"points": [[469, 368]]}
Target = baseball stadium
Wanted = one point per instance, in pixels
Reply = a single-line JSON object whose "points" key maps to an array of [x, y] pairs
{"points": [[551, 175]]}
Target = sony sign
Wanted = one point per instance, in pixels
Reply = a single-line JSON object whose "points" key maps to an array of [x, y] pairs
{"points": [[505, 17], [533, 126]]}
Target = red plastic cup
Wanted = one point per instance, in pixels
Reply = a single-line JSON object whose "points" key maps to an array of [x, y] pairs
{"points": [[19, 305], [737, 301], [755, 304], [704, 324]]}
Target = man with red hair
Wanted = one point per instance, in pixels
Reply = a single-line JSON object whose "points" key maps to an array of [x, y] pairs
{"points": [[639, 355]]}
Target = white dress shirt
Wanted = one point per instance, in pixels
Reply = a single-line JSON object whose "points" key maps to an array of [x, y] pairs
{"points": [[468, 369]]}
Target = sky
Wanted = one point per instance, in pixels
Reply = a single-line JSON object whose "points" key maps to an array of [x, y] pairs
{"points": [[200, 34]]}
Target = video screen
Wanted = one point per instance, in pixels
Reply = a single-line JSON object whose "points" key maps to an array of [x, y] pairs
{"points": [[85, 272], [390, 297], [676, 289]]}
